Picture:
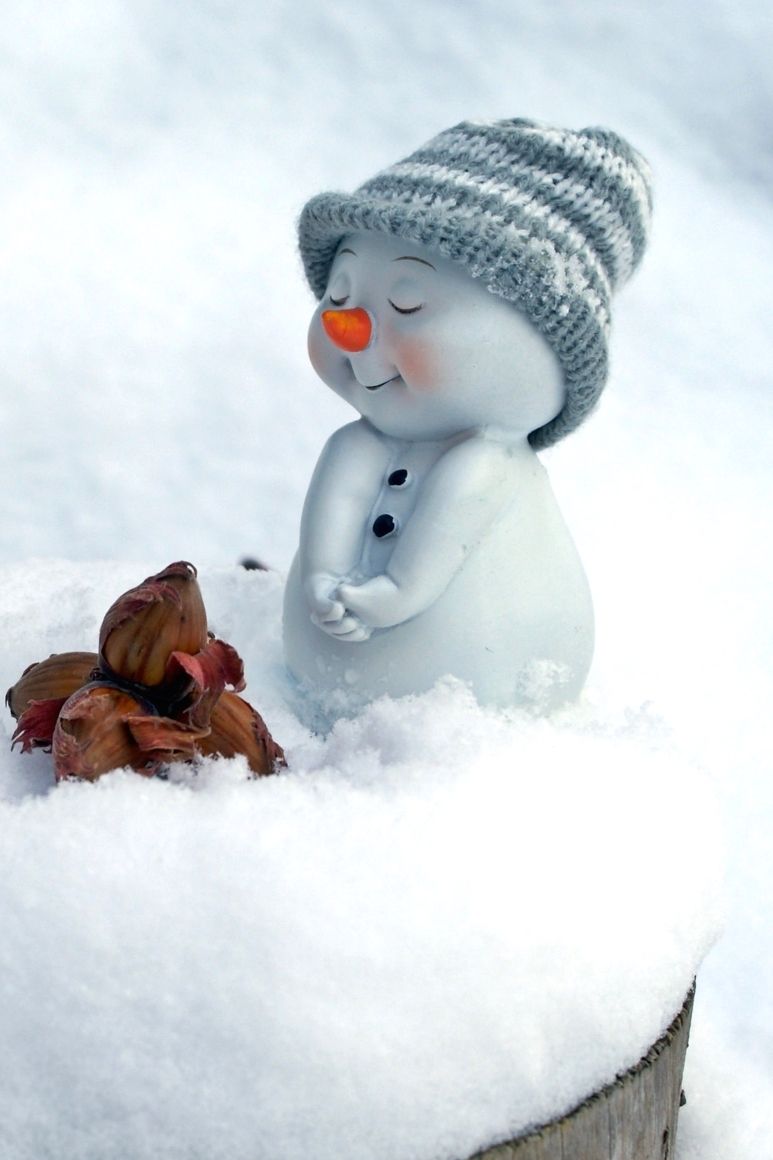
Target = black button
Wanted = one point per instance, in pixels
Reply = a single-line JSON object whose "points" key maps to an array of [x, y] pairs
{"points": [[398, 478], [384, 525]]}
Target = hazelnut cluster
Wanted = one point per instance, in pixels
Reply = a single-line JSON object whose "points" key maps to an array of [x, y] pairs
{"points": [[160, 689]]}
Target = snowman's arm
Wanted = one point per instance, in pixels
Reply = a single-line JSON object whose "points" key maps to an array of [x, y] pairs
{"points": [[463, 495], [342, 487]]}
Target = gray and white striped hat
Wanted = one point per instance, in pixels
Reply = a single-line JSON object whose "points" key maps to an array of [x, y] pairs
{"points": [[551, 219]]}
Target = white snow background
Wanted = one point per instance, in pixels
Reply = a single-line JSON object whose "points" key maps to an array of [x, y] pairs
{"points": [[440, 925]]}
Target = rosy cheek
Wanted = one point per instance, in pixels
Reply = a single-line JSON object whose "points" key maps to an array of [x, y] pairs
{"points": [[417, 364]]}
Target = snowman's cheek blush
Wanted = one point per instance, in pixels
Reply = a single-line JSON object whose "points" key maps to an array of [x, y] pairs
{"points": [[417, 365]]}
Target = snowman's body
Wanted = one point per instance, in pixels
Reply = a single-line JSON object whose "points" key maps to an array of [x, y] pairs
{"points": [[431, 542]]}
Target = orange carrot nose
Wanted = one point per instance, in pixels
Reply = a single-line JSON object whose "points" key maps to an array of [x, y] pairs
{"points": [[349, 329]]}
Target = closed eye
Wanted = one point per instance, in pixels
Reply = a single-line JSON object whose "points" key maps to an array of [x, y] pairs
{"points": [[404, 309], [338, 301]]}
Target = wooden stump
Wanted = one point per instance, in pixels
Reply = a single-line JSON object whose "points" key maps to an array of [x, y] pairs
{"points": [[633, 1118]]}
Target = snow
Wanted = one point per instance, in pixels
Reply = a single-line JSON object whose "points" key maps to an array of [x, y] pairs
{"points": [[440, 924]]}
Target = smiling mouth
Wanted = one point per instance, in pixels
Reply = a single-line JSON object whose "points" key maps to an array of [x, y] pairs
{"points": [[376, 386]]}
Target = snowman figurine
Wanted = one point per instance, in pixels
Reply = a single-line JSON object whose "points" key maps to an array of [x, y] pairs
{"points": [[464, 313]]}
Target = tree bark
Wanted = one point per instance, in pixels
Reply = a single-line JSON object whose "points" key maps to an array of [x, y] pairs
{"points": [[633, 1118]]}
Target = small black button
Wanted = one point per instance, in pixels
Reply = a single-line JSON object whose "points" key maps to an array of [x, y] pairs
{"points": [[384, 525], [398, 478]]}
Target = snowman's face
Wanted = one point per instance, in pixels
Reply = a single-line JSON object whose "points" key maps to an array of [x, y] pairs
{"points": [[427, 352]]}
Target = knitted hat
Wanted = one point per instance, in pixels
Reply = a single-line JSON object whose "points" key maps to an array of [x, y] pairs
{"points": [[551, 219]]}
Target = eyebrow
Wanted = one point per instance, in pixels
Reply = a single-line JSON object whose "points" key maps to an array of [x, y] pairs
{"points": [[409, 258]]}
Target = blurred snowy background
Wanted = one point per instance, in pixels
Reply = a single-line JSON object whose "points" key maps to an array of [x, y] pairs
{"points": [[156, 401]]}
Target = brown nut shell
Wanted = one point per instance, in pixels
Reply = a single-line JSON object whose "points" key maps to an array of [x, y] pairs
{"points": [[55, 678], [237, 728], [92, 735], [145, 625]]}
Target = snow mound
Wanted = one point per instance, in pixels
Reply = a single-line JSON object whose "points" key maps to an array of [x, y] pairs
{"points": [[438, 927]]}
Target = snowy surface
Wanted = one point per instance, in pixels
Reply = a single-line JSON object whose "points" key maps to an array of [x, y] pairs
{"points": [[439, 927], [336, 959]]}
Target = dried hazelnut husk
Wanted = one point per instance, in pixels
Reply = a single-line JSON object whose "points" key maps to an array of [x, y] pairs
{"points": [[236, 728], [35, 727], [145, 625], [93, 733], [166, 738], [203, 678], [53, 679]]}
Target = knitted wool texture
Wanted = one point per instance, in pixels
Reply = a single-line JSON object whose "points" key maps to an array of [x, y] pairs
{"points": [[550, 219]]}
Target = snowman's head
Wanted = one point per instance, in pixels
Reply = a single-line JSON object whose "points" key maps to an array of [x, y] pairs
{"points": [[528, 230], [424, 351]]}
